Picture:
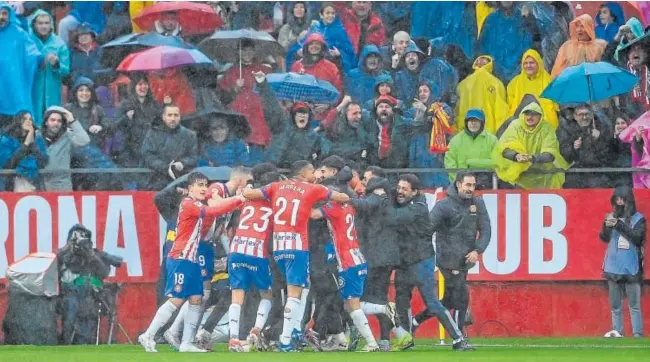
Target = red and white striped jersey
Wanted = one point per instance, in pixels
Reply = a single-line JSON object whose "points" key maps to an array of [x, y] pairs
{"points": [[340, 219], [292, 202], [189, 225], [254, 230]]}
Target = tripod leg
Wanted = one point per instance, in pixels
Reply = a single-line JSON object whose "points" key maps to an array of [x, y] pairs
{"points": [[110, 329]]}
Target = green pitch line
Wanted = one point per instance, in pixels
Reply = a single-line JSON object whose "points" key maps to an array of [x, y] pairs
{"points": [[492, 350]]}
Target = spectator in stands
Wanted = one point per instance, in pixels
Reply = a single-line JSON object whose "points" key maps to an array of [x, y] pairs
{"points": [[581, 47], [608, 20], [23, 150], [90, 13], [355, 183], [624, 230], [246, 101], [119, 24], [363, 26], [168, 25], [533, 79], [169, 149], [172, 86], [639, 141], [384, 85], [85, 54], [360, 82], [426, 110], [393, 54], [505, 23], [135, 115], [472, 148], [389, 132], [483, 91], [621, 151], [55, 66], [314, 62], [19, 61], [637, 101], [297, 26], [529, 143], [633, 29], [349, 137], [526, 100], [86, 109], [337, 39], [585, 141], [395, 15], [297, 141], [61, 133], [222, 148]]}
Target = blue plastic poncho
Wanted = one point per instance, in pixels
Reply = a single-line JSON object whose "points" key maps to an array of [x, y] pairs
{"points": [[607, 32], [359, 84]]}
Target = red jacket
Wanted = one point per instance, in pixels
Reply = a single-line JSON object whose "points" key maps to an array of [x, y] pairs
{"points": [[173, 83], [247, 102], [323, 70], [376, 33]]}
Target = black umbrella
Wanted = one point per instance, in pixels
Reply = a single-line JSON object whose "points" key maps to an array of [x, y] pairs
{"points": [[237, 123]]}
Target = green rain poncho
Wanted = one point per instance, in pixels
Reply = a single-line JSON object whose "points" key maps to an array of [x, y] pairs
{"points": [[519, 138]]}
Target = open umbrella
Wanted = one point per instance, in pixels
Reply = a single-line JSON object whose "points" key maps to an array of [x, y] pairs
{"points": [[225, 45], [163, 57], [194, 18], [237, 123], [116, 50], [589, 83], [302, 87]]}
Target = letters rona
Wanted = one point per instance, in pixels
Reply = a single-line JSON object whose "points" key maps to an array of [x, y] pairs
{"points": [[119, 225]]}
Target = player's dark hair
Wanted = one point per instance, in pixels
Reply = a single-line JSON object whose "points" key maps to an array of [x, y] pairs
{"points": [[460, 176], [195, 177], [353, 165], [170, 105], [334, 162], [262, 168], [413, 180], [298, 166], [270, 177], [376, 171]]}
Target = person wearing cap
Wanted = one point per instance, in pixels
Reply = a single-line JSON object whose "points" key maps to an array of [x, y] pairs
{"points": [[389, 132], [472, 148], [85, 54], [529, 144]]}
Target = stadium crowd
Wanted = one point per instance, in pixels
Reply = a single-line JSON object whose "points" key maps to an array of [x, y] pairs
{"points": [[422, 85]]}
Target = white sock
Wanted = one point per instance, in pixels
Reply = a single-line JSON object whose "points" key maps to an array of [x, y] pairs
{"points": [[361, 322], [339, 338], [163, 314], [191, 322], [293, 304], [180, 318], [399, 331], [262, 313], [233, 320], [414, 322], [372, 309], [300, 312]]}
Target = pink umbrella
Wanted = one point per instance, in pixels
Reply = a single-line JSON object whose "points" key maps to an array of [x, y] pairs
{"points": [[162, 57], [639, 160]]}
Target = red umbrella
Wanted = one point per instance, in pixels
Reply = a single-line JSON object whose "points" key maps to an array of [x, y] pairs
{"points": [[162, 57], [194, 18]]}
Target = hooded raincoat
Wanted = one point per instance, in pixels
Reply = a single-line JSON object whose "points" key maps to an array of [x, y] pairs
{"points": [[574, 51], [637, 29], [47, 85], [607, 32], [359, 83], [484, 91], [322, 69], [535, 85], [289, 32], [498, 26], [520, 139], [19, 61]]}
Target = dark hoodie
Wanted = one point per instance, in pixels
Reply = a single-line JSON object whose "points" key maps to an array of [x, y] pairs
{"points": [[93, 115], [359, 82], [632, 226], [525, 101], [457, 221]]}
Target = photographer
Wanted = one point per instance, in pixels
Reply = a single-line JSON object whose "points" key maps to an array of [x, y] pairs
{"points": [[81, 271]]}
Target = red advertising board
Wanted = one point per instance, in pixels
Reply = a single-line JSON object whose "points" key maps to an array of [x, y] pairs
{"points": [[536, 236]]}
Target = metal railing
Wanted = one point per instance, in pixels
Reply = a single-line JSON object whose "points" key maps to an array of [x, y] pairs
{"points": [[398, 171]]}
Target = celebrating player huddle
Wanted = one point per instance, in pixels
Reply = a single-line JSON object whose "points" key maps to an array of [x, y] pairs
{"points": [[274, 217]]}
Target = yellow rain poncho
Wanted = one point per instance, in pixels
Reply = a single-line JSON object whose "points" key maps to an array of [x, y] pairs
{"points": [[522, 84], [519, 138], [484, 91], [482, 12]]}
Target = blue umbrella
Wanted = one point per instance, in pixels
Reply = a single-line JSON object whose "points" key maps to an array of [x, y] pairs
{"points": [[589, 82], [302, 87], [114, 51]]}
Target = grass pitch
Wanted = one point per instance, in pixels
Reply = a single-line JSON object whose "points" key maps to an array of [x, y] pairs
{"points": [[488, 350]]}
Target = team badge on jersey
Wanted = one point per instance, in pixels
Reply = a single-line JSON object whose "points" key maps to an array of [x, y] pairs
{"points": [[178, 288]]}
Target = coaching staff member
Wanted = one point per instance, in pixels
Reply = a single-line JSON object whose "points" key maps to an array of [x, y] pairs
{"points": [[463, 226]]}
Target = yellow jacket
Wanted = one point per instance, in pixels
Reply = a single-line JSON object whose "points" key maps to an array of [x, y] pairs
{"points": [[135, 8], [523, 84]]}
